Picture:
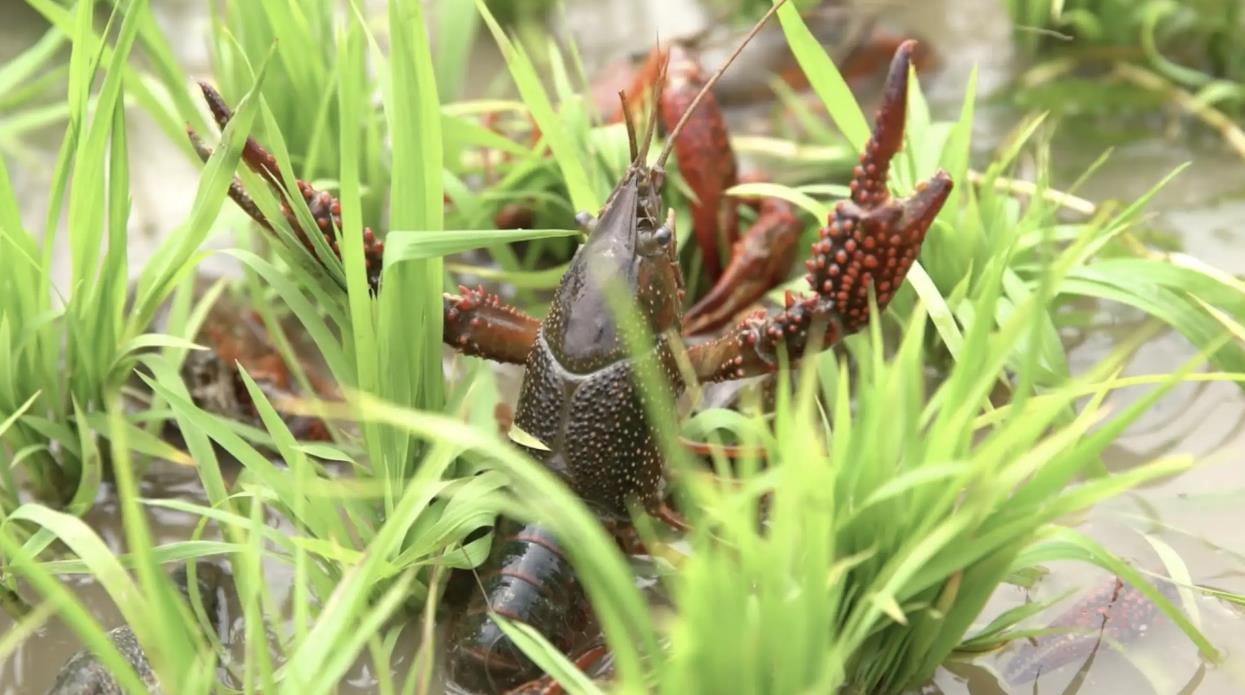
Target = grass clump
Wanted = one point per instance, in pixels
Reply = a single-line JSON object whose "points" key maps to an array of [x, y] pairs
{"points": [[1128, 59], [1191, 43], [68, 350], [892, 516], [886, 514]]}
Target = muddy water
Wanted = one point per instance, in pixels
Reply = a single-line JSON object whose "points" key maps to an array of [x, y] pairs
{"points": [[1202, 208]]}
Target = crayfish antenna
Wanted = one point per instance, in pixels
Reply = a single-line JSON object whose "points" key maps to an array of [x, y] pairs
{"points": [[713, 80], [631, 141], [639, 146], [654, 107]]}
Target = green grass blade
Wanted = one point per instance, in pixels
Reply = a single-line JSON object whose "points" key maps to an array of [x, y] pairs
{"points": [[824, 77]]}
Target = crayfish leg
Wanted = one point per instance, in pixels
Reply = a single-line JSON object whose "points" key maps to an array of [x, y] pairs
{"points": [[546, 685], [760, 260], [730, 451], [478, 323]]}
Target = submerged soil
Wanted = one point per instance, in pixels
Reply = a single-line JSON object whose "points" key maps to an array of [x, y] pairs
{"points": [[1202, 209]]}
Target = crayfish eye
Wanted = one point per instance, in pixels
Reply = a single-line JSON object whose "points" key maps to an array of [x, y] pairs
{"points": [[656, 242]]}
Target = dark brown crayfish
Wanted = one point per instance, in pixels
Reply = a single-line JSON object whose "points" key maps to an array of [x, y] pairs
{"points": [[1113, 615], [581, 410]]}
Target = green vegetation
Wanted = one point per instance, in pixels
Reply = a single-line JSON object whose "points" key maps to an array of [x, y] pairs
{"points": [[1191, 42], [1125, 59], [906, 476], [68, 350]]}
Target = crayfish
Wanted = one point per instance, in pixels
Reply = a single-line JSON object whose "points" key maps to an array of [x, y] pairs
{"points": [[237, 340], [743, 266], [581, 409], [1113, 615]]}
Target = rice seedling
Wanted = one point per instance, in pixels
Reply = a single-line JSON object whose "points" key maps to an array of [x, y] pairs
{"points": [[903, 479], [69, 350], [1126, 59], [26, 82], [1189, 42], [889, 518]]}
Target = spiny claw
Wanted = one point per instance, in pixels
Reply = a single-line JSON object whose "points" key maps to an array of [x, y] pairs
{"points": [[478, 323], [236, 190], [253, 153], [868, 245], [325, 209], [920, 208], [863, 248], [872, 239], [869, 177]]}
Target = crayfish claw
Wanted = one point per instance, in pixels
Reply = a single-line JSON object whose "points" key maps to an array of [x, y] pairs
{"points": [[216, 104], [865, 250], [254, 154], [869, 177], [920, 208], [760, 260], [324, 208], [236, 191]]}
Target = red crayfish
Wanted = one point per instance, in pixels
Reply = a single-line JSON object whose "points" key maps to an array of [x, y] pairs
{"points": [[742, 266], [237, 339], [581, 409]]}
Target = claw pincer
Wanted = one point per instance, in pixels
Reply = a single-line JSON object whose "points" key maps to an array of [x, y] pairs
{"points": [[760, 260], [325, 209], [702, 146], [705, 157], [868, 244]]}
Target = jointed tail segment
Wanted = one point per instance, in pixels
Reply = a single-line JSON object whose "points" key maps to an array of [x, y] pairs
{"points": [[325, 209], [870, 241]]}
